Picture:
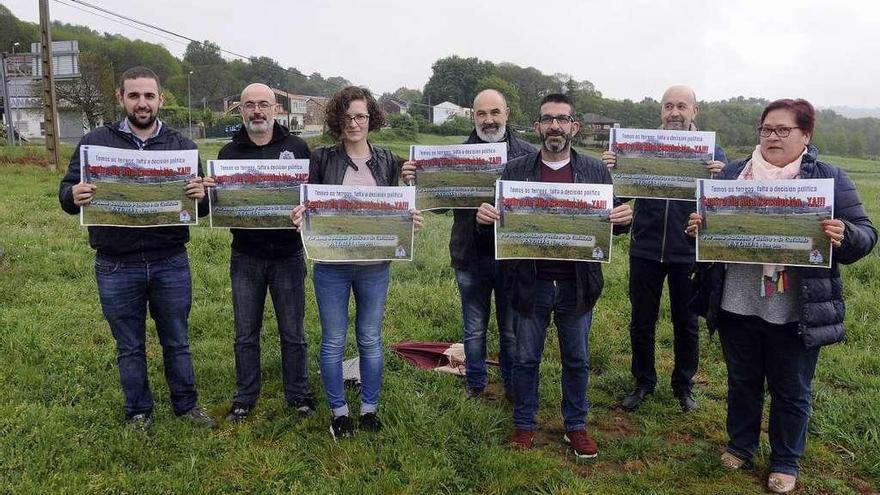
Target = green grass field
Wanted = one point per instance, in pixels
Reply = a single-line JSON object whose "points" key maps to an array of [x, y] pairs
{"points": [[426, 181], [252, 197], [558, 224], [760, 224], [366, 225], [116, 191], [647, 167], [61, 423]]}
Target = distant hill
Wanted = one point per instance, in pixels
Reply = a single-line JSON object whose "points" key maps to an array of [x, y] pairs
{"points": [[856, 113]]}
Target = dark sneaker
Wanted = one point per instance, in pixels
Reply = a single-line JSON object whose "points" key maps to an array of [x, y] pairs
{"points": [[473, 392], [687, 401], [341, 427], [198, 417], [140, 422], [584, 446], [239, 412], [634, 399], [370, 422], [304, 407], [522, 439]]}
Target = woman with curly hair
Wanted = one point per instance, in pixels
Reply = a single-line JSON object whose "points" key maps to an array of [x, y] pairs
{"points": [[350, 115]]}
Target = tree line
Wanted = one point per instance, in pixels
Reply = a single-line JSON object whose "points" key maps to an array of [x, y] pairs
{"points": [[458, 80], [104, 56]]}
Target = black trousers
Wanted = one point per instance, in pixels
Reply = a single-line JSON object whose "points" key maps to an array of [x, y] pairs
{"points": [[645, 288]]}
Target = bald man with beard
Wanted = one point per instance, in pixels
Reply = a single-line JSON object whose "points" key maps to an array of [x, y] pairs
{"points": [[659, 249], [267, 259], [472, 252]]}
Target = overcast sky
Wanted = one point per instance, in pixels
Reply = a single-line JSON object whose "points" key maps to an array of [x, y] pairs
{"points": [[825, 51]]}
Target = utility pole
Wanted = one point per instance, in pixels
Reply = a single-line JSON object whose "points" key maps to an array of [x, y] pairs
{"points": [[50, 110], [7, 101]]}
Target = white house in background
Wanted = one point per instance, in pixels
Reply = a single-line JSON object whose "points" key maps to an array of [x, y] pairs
{"points": [[444, 111]]}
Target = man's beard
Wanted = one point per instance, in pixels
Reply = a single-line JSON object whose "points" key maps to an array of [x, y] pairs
{"points": [[555, 146], [135, 122], [491, 134], [676, 125], [258, 128]]}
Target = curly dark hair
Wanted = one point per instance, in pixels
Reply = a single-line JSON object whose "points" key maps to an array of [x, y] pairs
{"points": [[338, 104]]}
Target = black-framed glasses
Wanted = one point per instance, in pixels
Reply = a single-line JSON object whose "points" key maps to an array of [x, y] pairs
{"points": [[252, 105], [359, 119], [781, 131], [560, 119]]}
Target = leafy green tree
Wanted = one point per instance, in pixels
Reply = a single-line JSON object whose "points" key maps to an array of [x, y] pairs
{"points": [[455, 79]]}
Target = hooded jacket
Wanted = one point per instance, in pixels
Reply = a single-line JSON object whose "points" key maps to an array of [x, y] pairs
{"points": [[266, 243]]}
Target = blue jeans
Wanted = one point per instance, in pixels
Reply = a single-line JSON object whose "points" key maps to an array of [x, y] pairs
{"points": [[755, 351], [285, 280], [573, 329], [334, 282], [126, 289], [476, 307]]}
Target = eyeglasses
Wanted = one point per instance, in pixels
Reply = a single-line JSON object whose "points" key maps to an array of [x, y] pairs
{"points": [[360, 118], [560, 119], [262, 105], [781, 131]]}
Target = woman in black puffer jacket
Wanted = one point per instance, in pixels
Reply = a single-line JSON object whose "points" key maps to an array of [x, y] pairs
{"points": [[775, 335]]}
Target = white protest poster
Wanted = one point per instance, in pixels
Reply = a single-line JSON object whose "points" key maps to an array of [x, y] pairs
{"points": [[457, 176], [553, 221], [767, 222], [357, 223], [138, 188], [256, 194], [659, 163]]}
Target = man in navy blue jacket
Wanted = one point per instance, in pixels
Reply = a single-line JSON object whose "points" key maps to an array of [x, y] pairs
{"points": [[659, 248], [136, 268]]}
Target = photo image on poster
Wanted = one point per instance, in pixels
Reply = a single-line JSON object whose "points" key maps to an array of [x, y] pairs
{"points": [[768, 222], [357, 223], [659, 163], [457, 176], [138, 188], [256, 194], [554, 221]]}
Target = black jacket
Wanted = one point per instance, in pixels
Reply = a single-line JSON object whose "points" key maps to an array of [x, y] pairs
{"points": [[820, 293], [657, 232], [519, 275], [124, 243], [467, 242], [266, 243], [328, 165]]}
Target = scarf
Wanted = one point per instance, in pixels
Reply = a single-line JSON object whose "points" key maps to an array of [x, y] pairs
{"points": [[774, 277]]}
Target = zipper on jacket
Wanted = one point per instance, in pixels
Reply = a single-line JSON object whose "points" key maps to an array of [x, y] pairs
{"points": [[663, 240]]}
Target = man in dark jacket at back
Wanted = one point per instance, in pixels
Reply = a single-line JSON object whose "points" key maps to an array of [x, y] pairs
{"points": [[267, 259], [659, 248], [472, 251], [565, 290], [137, 267]]}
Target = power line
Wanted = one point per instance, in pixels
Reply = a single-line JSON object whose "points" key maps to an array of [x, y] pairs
{"points": [[251, 59], [151, 26], [173, 40]]}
